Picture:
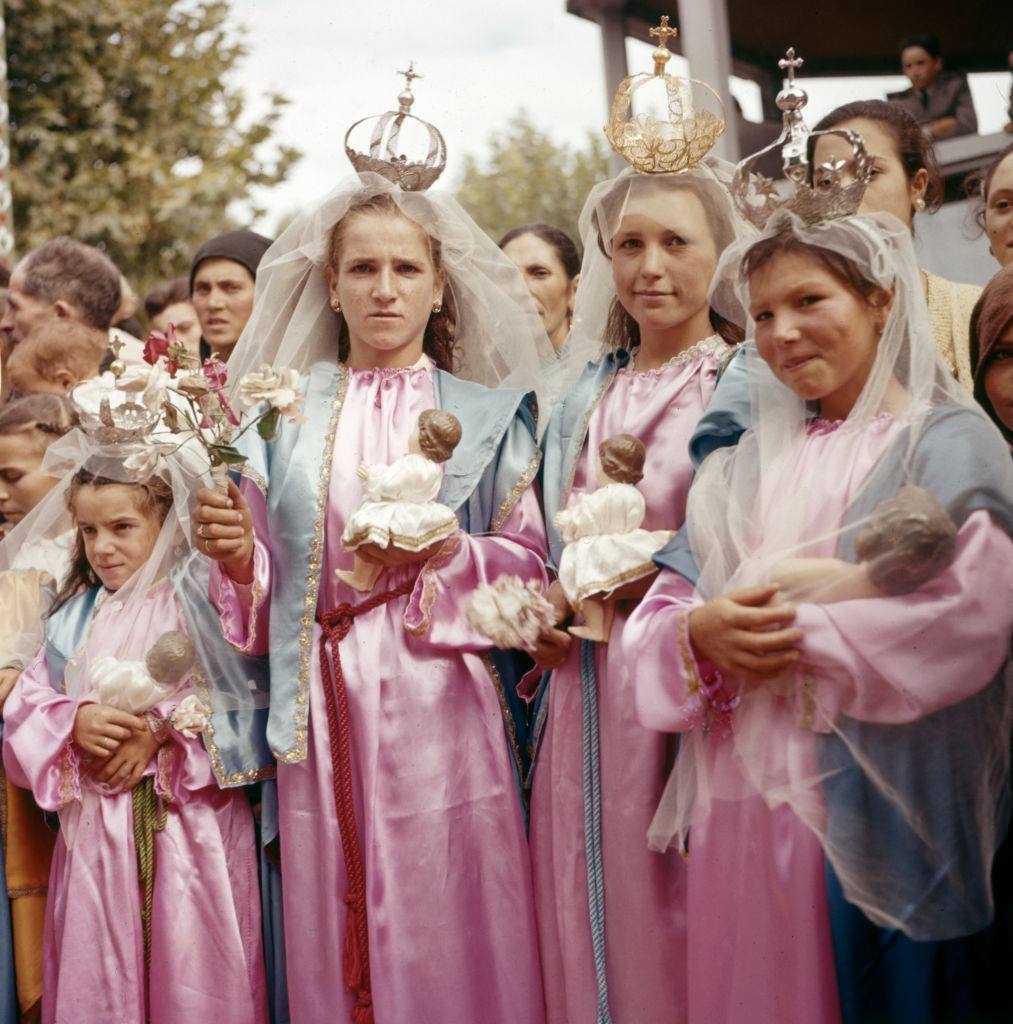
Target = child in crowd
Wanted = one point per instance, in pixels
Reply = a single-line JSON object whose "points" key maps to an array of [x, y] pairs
{"points": [[56, 355]]}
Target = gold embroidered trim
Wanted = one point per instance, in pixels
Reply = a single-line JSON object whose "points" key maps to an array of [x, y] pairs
{"points": [[15, 893], [68, 776], [429, 570], [595, 402], [713, 344], [254, 476], [508, 719], [693, 682], [298, 751], [225, 779], [605, 586], [514, 496], [373, 535]]}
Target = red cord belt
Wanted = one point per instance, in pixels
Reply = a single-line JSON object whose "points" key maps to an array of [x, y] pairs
{"points": [[336, 625]]}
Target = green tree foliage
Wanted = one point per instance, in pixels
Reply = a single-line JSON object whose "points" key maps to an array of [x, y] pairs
{"points": [[125, 131], [528, 177]]}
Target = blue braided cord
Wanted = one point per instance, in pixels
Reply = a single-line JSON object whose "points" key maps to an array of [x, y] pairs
{"points": [[592, 825]]}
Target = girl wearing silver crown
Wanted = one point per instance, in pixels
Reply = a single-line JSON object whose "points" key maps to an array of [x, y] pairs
{"points": [[652, 242], [401, 824], [840, 603], [153, 904]]}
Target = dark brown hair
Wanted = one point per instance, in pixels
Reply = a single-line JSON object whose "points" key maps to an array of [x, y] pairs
{"points": [[913, 148], [154, 494], [839, 267], [164, 295], [439, 434], [622, 458], [621, 330], [978, 183], [438, 339], [992, 314], [79, 274], [45, 417], [562, 244]]}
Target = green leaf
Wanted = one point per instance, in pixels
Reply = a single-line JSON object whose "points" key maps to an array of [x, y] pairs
{"points": [[226, 454], [267, 425]]}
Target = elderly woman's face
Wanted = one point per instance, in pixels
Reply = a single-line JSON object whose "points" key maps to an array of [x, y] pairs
{"points": [[386, 283]]}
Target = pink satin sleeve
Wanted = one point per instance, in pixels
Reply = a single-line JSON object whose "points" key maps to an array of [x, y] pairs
{"points": [[245, 609], [182, 765], [897, 659], [672, 689], [39, 751], [437, 608]]}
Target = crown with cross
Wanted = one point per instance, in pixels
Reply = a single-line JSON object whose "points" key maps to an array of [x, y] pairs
{"points": [[412, 172], [819, 193], [670, 144], [117, 408]]}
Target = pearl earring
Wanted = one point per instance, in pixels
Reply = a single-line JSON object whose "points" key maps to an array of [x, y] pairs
{"points": [[335, 305], [437, 306], [919, 205]]}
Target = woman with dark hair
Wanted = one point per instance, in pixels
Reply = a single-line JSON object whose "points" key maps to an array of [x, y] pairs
{"points": [[550, 264], [169, 303], [905, 182], [995, 214], [992, 350]]}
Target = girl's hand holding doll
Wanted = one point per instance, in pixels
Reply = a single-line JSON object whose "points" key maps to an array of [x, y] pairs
{"points": [[100, 730], [125, 768], [553, 645], [746, 634], [225, 531]]}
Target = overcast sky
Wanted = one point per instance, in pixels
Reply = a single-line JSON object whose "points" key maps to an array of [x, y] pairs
{"points": [[336, 61]]}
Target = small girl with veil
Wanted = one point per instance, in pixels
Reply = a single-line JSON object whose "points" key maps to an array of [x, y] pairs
{"points": [[105, 727]]}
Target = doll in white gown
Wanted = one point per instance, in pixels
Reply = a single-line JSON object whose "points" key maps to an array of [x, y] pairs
{"points": [[398, 507], [606, 547]]}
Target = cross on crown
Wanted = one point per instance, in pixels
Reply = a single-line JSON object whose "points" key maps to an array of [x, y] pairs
{"points": [[789, 62], [661, 55], [410, 75]]}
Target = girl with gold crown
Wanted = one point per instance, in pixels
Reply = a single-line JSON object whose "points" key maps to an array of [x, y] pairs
{"points": [[828, 635], [401, 824], [652, 241], [153, 909]]}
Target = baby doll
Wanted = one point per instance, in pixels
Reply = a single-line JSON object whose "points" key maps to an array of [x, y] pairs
{"points": [[398, 507], [137, 686], [907, 540], [605, 545]]}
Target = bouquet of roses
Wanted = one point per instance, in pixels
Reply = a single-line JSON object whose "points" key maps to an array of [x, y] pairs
{"points": [[195, 405]]}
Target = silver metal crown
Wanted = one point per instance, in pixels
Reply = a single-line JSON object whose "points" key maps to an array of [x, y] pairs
{"points": [[413, 175], [116, 411], [828, 197]]}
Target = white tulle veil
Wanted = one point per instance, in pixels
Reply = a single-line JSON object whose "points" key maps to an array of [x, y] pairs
{"points": [[499, 337], [893, 846]]}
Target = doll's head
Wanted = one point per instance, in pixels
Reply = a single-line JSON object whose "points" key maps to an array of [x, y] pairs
{"points": [[117, 526], [621, 458], [170, 658], [438, 434], [28, 426]]}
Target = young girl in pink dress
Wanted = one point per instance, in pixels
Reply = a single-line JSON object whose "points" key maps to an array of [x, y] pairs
{"points": [[841, 779], [651, 243], [153, 911]]}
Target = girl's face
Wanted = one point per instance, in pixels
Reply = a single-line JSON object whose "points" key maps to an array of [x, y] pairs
{"points": [[22, 483], [889, 191], [817, 335], [545, 276], [118, 528], [387, 285], [999, 377], [663, 259], [999, 212]]}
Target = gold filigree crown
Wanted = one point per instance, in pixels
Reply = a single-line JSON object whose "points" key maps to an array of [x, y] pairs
{"points": [[411, 173], [672, 144], [114, 409], [819, 193]]}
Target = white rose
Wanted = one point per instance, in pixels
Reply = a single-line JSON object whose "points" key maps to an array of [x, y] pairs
{"points": [[143, 463], [190, 716], [278, 387]]}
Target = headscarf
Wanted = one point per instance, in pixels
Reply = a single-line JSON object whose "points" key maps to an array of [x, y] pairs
{"points": [[992, 314], [242, 246]]}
